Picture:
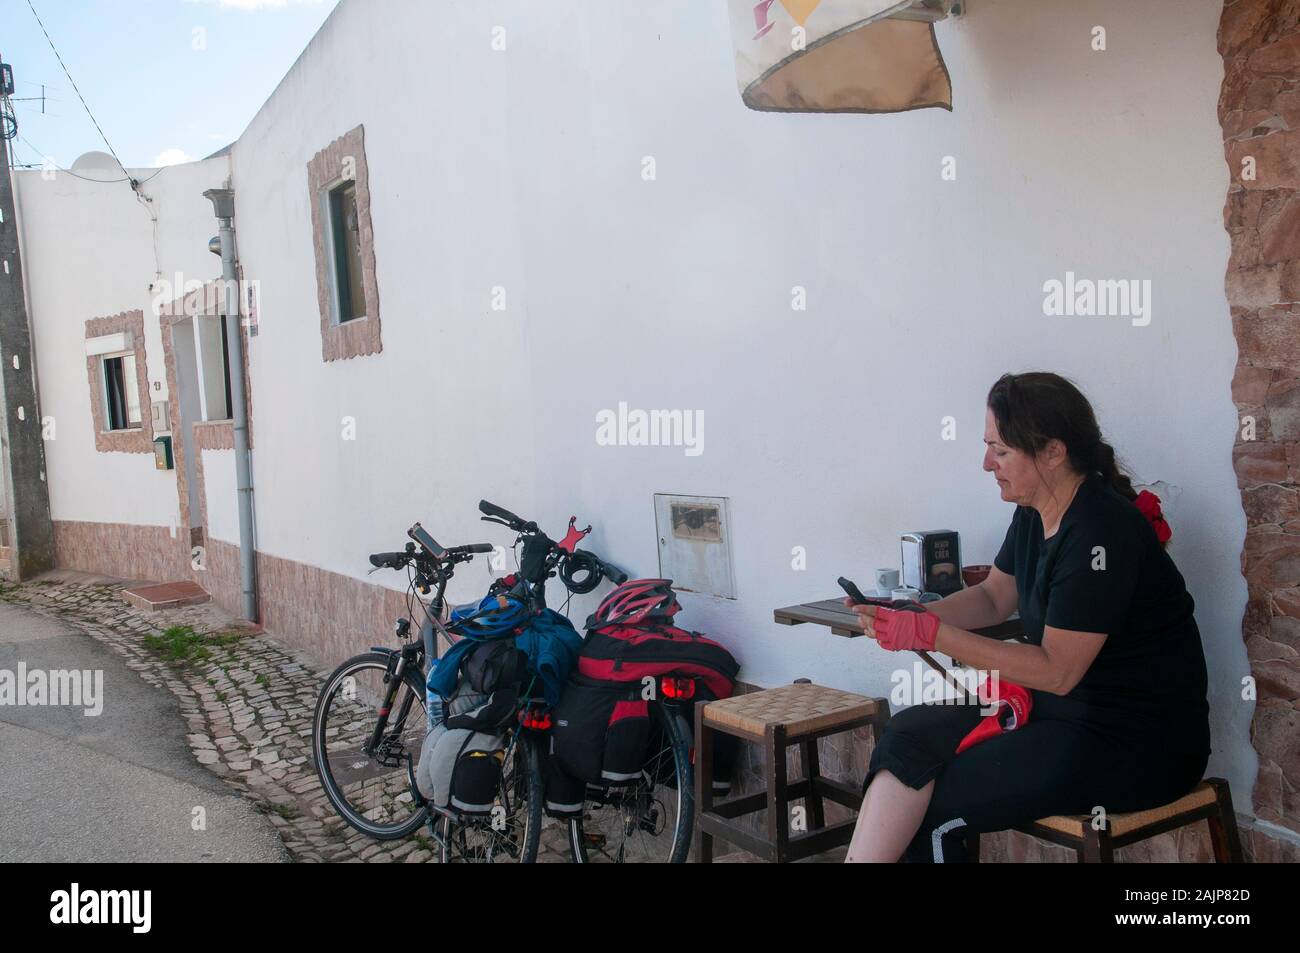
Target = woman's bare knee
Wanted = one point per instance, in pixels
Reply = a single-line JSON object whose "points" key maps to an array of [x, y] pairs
{"points": [[891, 815]]}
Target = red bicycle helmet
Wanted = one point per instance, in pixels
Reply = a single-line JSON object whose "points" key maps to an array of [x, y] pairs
{"points": [[637, 600]]}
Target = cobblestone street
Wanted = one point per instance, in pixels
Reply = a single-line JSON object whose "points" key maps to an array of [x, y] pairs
{"points": [[248, 708]]}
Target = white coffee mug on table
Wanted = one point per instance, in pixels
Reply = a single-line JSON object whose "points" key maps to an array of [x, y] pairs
{"points": [[886, 581]]}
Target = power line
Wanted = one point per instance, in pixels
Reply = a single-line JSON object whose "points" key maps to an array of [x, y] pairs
{"points": [[78, 92], [143, 199], [140, 197], [85, 178]]}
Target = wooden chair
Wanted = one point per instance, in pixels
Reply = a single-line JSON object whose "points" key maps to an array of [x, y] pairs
{"points": [[778, 718], [1210, 801]]}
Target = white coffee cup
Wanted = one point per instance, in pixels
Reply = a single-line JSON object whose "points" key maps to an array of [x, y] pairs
{"points": [[906, 592], [886, 580]]}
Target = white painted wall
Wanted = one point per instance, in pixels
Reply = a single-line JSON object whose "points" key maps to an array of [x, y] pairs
{"points": [[219, 485], [522, 169], [89, 251]]}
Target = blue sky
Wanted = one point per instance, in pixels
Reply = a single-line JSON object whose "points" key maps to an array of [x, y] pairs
{"points": [[168, 80]]}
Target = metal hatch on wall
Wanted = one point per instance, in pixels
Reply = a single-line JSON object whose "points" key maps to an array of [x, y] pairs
{"points": [[695, 543], [866, 56]]}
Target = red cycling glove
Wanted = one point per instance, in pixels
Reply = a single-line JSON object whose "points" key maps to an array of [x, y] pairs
{"points": [[907, 627], [1014, 704]]}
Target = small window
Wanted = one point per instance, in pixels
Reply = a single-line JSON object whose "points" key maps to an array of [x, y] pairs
{"points": [[345, 229], [343, 245], [121, 393]]}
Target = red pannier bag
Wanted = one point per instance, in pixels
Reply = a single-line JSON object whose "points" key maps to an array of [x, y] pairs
{"points": [[602, 728], [631, 653]]}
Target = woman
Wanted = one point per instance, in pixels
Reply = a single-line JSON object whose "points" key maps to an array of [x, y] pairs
{"points": [[1113, 665]]}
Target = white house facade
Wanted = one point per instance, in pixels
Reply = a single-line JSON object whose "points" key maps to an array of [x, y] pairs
{"points": [[563, 215]]}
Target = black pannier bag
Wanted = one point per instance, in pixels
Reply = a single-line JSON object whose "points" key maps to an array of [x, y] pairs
{"points": [[475, 778], [461, 767], [565, 794], [602, 729]]}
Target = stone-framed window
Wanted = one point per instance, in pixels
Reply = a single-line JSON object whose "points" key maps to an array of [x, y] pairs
{"points": [[119, 384], [344, 240]]}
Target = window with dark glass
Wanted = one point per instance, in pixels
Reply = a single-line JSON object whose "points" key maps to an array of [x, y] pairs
{"points": [[349, 292], [121, 393]]}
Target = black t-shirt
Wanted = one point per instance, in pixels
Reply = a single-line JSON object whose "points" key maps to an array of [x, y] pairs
{"points": [[1104, 570]]}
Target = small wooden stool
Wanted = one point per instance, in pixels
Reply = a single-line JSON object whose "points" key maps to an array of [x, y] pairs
{"points": [[1210, 800], [777, 718]]}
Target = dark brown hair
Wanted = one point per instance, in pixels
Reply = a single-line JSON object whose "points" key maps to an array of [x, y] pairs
{"points": [[1035, 407]]}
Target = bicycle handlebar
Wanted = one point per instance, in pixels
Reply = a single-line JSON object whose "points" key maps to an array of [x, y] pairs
{"points": [[504, 515], [613, 573], [542, 555], [430, 545]]}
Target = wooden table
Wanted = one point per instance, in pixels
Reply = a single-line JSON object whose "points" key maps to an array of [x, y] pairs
{"points": [[842, 620]]}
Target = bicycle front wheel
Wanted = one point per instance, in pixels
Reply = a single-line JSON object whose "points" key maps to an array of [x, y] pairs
{"points": [[372, 786], [650, 820]]}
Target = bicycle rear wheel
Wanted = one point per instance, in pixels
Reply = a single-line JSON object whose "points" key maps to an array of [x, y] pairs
{"points": [[373, 791], [511, 832], [650, 820]]}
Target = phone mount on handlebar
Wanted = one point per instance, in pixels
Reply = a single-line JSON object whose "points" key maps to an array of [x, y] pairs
{"points": [[421, 536], [573, 537]]}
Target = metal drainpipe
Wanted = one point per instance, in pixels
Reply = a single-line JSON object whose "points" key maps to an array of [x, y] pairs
{"points": [[223, 203]]}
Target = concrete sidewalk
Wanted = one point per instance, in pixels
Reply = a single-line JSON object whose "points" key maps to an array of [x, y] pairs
{"points": [[119, 786]]}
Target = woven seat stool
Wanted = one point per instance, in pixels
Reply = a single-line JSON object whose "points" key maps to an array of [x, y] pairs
{"points": [[1210, 801], [776, 719]]}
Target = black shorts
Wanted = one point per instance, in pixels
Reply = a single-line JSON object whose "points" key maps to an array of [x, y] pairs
{"points": [[1049, 766]]}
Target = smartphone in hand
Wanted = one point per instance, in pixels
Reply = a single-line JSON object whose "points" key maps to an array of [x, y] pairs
{"points": [[854, 593]]}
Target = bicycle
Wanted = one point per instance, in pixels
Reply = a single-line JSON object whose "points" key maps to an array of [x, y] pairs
{"points": [[580, 571], [370, 717], [649, 819], [370, 723]]}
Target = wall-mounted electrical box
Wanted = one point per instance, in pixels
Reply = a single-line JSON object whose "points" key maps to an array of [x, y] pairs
{"points": [[161, 417], [695, 543]]}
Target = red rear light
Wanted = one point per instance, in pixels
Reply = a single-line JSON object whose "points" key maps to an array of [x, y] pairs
{"points": [[538, 719], [676, 689]]}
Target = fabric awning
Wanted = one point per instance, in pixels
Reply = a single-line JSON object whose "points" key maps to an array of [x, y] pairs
{"points": [[853, 56]]}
